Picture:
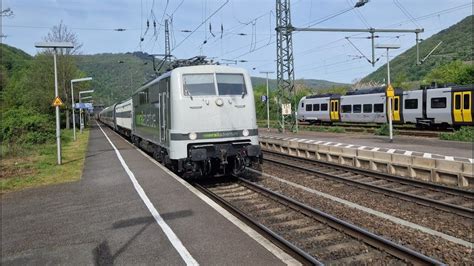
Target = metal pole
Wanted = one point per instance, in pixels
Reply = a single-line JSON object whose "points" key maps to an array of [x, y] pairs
{"points": [[268, 108], [58, 129], [373, 48], [389, 100], [73, 115], [81, 126]]}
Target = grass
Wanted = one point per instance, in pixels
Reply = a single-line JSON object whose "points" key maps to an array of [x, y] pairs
{"points": [[36, 165], [464, 134]]}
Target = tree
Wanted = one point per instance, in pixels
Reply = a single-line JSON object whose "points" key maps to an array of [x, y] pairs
{"points": [[67, 69], [455, 72]]}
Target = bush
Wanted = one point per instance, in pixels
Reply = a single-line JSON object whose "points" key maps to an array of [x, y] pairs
{"points": [[383, 130], [464, 134], [24, 126]]}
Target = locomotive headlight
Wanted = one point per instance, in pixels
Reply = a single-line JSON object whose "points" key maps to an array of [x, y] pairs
{"points": [[245, 132], [192, 136]]}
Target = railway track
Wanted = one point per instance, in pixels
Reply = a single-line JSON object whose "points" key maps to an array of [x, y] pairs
{"points": [[457, 201], [313, 236]]}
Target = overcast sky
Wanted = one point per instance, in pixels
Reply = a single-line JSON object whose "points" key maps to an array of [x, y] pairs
{"points": [[248, 29]]}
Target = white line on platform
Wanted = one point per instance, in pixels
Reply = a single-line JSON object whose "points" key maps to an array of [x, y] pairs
{"points": [[349, 146], [391, 151], [427, 155], [302, 140], [449, 158], [339, 144], [408, 153], [177, 244], [327, 143], [471, 160], [377, 213], [319, 142], [361, 148], [276, 251], [309, 141], [375, 149]]}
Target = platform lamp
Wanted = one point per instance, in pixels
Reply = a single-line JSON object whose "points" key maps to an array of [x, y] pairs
{"points": [[72, 101], [389, 91], [55, 46], [80, 106]]}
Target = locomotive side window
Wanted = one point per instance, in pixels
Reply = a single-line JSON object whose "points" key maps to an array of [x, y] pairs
{"points": [[316, 107], [309, 107], [346, 108], [378, 108], [411, 104], [357, 108], [143, 96], [324, 107], [199, 84], [231, 84], [438, 103], [367, 108]]}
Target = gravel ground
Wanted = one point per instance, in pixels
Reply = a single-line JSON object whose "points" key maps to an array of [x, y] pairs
{"points": [[429, 245]]}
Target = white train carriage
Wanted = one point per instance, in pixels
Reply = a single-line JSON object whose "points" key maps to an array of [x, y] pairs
{"points": [[314, 109], [107, 116], [123, 117], [198, 119], [363, 108]]}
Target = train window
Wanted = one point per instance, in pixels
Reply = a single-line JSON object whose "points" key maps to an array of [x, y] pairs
{"points": [[457, 101], [231, 84], [411, 104], [199, 84], [395, 107], [309, 107], [467, 101], [346, 108], [316, 107], [302, 104], [143, 97], [367, 108], [357, 108], [324, 107], [438, 103], [378, 108]]}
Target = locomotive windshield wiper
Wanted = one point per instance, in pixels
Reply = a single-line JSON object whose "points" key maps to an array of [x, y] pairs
{"points": [[244, 92], [187, 91]]}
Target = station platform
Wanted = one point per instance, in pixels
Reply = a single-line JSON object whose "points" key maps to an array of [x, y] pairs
{"points": [[126, 209], [407, 145]]}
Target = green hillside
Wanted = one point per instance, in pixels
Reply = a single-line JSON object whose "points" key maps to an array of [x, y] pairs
{"points": [[12, 61], [457, 44], [115, 76], [314, 84]]}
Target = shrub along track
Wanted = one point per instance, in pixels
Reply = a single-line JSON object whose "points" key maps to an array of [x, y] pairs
{"points": [[316, 237]]}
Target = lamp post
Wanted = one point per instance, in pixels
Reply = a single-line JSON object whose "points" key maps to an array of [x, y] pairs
{"points": [[72, 102], [80, 107], [55, 46], [268, 106], [389, 92]]}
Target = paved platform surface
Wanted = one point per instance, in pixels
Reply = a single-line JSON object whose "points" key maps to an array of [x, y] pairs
{"points": [[101, 219], [416, 146]]}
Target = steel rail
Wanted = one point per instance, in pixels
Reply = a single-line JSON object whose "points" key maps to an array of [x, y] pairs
{"points": [[293, 250], [369, 238], [463, 211]]}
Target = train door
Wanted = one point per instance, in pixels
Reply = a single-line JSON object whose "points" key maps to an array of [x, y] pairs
{"points": [[396, 109], [462, 107], [162, 117], [334, 111]]}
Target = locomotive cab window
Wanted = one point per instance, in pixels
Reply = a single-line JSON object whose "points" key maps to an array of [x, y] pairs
{"points": [[357, 108], [309, 107], [367, 108], [346, 108], [411, 104], [316, 107], [324, 107], [438, 103], [231, 84], [199, 85]]}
